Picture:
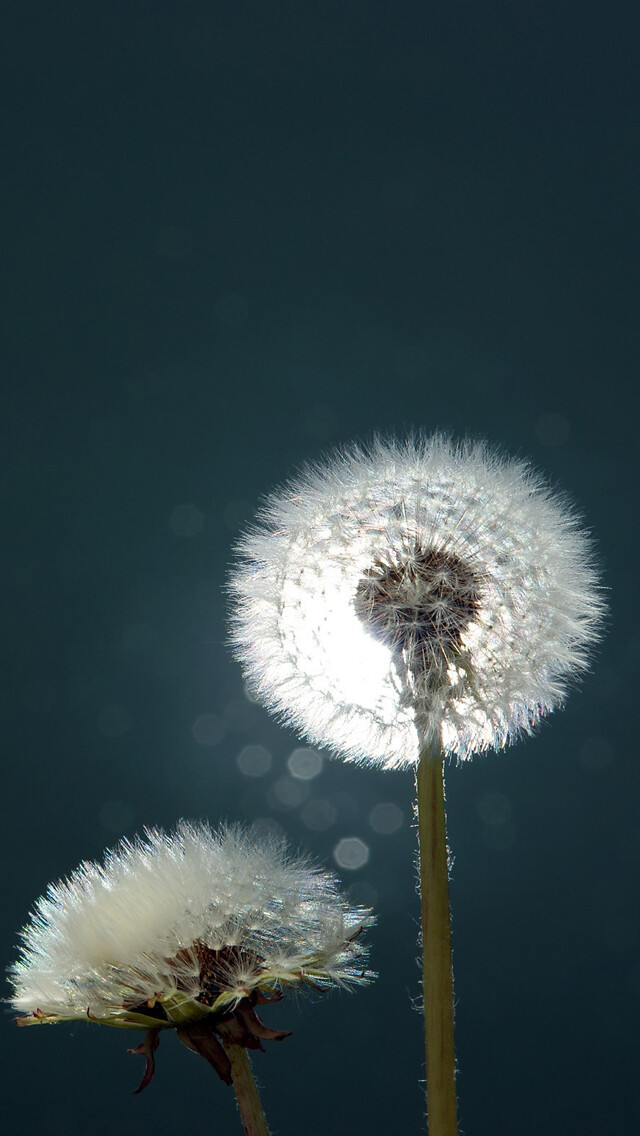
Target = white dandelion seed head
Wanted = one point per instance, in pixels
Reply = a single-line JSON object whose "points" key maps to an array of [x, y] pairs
{"points": [[414, 592], [191, 922]]}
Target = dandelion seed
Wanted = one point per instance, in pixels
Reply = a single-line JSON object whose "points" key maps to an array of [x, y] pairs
{"points": [[188, 931]]}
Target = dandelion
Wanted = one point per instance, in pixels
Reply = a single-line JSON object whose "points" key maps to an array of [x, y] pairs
{"points": [[408, 602], [189, 931]]}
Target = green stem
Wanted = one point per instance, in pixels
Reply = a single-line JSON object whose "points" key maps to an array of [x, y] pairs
{"points": [[249, 1103], [436, 946]]}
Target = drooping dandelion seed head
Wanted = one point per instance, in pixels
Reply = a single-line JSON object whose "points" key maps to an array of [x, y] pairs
{"points": [[175, 927], [411, 593]]}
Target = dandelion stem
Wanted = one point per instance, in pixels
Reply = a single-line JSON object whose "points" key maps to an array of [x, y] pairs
{"points": [[249, 1103], [436, 945]]}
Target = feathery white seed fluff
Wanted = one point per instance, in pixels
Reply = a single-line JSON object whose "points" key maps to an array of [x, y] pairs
{"points": [[116, 938], [414, 592]]}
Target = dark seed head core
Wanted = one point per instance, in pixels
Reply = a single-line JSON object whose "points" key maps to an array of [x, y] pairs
{"points": [[237, 1024], [419, 603], [214, 967]]}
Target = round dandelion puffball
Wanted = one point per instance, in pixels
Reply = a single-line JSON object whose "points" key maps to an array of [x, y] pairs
{"points": [[413, 593], [185, 926]]}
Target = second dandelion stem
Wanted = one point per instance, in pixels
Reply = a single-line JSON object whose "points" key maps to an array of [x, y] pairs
{"points": [[436, 946], [249, 1103]]}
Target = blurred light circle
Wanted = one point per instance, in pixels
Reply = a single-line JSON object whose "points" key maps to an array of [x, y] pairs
{"points": [[305, 764], [235, 514], [319, 815], [116, 816], [266, 828], [254, 761], [114, 721], [186, 520], [237, 715], [287, 793], [351, 853], [208, 730], [363, 894], [386, 818], [596, 753], [552, 430], [494, 808], [500, 837]]}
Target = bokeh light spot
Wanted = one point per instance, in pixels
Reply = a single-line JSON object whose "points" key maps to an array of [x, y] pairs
{"points": [[287, 793], [499, 837], [351, 853], [305, 764], [363, 894], [266, 828], [237, 715], [494, 808], [319, 815], [116, 816], [208, 729], [186, 520], [254, 761], [114, 721], [596, 753], [235, 514], [386, 818], [552, 430]]}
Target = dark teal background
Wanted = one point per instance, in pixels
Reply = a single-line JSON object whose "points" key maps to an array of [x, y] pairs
{"points": [[234, 235]]}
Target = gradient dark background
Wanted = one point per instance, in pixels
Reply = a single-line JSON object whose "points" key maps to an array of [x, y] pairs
{"points": [[234, 235]]}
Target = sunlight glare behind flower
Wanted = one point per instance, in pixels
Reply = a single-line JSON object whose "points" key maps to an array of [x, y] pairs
{"points": [[305, 764]]}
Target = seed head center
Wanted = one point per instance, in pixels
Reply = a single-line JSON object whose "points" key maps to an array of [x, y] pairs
{"points": [[419, 603]]}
